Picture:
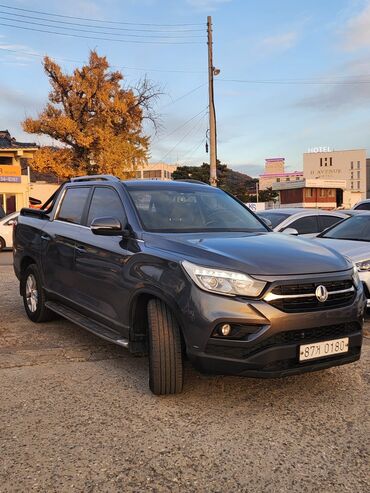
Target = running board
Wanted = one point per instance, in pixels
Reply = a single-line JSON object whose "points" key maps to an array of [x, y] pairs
{"points": [[96, 328]]}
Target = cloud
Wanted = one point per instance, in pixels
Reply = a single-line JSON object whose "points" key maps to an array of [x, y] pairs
{"points": [[17, 99], [206, 5], [279, 42], [356, 34], [350, 90]]}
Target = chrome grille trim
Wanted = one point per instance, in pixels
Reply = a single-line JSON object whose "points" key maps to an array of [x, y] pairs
{"points": [[272, 297]]}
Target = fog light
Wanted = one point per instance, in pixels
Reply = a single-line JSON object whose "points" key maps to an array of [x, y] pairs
{"points": [[225, 329]]}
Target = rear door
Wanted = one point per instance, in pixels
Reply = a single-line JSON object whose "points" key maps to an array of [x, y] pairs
{"points": [[58, 243], [100, 263], [328, 220]]}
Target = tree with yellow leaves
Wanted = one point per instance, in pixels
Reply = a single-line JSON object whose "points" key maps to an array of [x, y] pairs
{"points": [[97, 121]]}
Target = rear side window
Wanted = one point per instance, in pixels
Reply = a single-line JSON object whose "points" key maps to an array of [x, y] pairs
{"points": [[73, 205], [106, 202], [327, 221], [305, 225], [363, 207]]}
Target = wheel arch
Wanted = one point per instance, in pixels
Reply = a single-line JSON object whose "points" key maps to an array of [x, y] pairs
{"points": [[139, 318]]}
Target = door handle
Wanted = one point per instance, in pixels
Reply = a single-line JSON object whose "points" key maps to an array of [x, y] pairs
{"points": [[81, 249], [45, 237]]}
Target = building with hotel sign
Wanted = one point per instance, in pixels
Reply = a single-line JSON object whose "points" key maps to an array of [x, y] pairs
{"points": [[14, 178], [350, 165]]}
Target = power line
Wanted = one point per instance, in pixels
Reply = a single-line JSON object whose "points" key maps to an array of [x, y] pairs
{"points": [[174, 31], [67, 28], [297, 81], [99, 38], [183, 124], [50, 14], [125, 67], [182, 97], [182, 138]]}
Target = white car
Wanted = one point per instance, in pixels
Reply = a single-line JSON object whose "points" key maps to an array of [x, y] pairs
{"points": [[351, 238], [300, 221], [6, 230]]}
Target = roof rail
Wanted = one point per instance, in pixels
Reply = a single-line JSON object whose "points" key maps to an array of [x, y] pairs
{"points": [[95, 178]]}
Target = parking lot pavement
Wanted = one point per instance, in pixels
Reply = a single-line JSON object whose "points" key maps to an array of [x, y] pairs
{"points": [[76, 415]]}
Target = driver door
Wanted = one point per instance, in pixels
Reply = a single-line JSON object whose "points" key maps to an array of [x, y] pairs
{"points": [[100, 263]]}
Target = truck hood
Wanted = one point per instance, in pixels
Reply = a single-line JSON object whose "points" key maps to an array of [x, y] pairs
{"points": [[355, 250], [265, 254]]}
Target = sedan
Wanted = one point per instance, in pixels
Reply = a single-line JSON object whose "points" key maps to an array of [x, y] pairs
{"points": [[6, 230], [299, 221], [351, 238], [364, 205]]}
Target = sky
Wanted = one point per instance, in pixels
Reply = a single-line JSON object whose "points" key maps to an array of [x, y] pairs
{"points": [[293, 75]]}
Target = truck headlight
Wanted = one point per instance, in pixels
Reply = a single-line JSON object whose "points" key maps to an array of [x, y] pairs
{"points": [[363, 265], [224, 282]]}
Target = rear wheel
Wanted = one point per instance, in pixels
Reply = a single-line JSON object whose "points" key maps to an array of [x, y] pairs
{"points": [[2, 244], [34, 296], [165, 356]]}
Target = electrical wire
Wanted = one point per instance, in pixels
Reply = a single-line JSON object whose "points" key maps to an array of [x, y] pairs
{"points": [[125, 67], [50, 14], [350, 81], [100, 38], [173, 31], [182, 125], [79, 30], [182, 138], [183, 96]]}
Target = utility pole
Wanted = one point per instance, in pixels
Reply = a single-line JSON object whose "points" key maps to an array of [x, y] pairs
{"points": [[212, 113]]}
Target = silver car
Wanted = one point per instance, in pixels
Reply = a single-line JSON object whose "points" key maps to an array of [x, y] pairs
{"points": [[351, 238], [364, 205], [300, 221]]}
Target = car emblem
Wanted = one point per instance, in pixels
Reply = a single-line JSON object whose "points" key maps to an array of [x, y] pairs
{"points": [[321, 293]]}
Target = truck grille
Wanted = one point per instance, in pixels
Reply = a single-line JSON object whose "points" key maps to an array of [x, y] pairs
{"points": [[294, 298]]}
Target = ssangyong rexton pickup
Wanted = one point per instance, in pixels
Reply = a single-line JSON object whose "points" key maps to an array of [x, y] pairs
{"points": [[176, 269]]}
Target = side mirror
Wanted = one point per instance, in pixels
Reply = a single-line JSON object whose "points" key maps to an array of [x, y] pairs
{"points": [[290, 231], [12, 222], [266, 221], [106, 226]]}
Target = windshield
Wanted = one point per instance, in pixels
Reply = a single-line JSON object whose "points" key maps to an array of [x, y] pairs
{"points": [[354, 228], [192, 210], [275, 217]]}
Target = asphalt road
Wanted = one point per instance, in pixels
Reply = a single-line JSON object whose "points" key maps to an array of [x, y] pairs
{"points": [[76, 415]]}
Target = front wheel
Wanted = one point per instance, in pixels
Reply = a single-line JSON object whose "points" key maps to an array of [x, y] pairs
{"points": [[165, 356], [34, 296]]}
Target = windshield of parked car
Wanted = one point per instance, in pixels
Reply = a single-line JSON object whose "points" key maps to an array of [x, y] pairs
{"points": [[275, 217], [192, 210], [355, 228]]}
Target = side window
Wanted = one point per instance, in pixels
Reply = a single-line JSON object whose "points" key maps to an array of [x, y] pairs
{"points": [[106, 202], [327, 221], [305, 225], [73, 205], [363, 207]]}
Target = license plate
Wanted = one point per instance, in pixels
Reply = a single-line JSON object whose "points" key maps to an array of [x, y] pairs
{"points": [[323, 349]]}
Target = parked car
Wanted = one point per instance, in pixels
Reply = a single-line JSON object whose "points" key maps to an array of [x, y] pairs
{"points": [[364, 205], [175, 268], [6, 230], [352, 239], [300, 221]]}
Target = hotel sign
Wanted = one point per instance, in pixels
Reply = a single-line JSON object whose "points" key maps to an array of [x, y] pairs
{"points": [[10, 174], [315, 150]]}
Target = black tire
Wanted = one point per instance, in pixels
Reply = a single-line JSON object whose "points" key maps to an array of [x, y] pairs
{"points": [[35, 308], [2, 244], [165, 355]]}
